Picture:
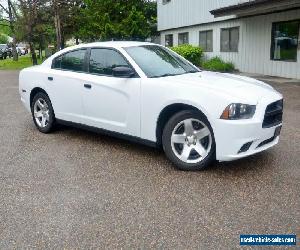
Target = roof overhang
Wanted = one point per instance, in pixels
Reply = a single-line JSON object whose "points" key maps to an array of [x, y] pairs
{"points": [[256, 7]]}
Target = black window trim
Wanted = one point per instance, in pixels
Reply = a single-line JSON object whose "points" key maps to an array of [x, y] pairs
{"points": [[70, 51], [230, 51], [272, 38], [109, 48], [86, 62], [206, 31]]}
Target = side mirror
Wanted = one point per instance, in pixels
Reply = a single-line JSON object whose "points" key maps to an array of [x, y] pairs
{"points": [[123, 72]]}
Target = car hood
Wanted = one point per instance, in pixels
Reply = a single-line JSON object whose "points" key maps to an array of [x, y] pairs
{"points": [[233, 85]]}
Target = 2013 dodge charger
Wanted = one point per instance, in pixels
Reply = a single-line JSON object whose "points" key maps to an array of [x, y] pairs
{"points": [[148, 93]]}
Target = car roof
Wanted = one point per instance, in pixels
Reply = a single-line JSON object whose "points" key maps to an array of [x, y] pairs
{"points": [[111, 44], [116, 44]]}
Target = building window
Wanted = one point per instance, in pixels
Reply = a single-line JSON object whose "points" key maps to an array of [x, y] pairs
{"points": [[206, 40], [230, 40], [285, 41], [169, 40], [183, 38], [166, 1]]}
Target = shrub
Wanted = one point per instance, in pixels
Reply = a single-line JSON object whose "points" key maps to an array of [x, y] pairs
{"points": [[3, 39], [189, 52], [217, 64]]}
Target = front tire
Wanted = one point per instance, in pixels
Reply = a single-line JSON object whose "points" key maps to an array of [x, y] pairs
{"points": [[43, 113], [188, 141]]}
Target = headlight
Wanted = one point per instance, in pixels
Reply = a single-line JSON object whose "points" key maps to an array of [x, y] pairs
{"points": [[236, 111]]}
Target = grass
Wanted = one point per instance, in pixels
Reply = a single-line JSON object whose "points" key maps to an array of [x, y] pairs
{"points": [[23, 62]]}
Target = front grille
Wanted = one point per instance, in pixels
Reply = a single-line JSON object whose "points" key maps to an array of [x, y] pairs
{"points": [[273, 115]]}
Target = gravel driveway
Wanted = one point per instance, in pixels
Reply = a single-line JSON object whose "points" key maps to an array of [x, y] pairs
{"points": [[75, 189]]}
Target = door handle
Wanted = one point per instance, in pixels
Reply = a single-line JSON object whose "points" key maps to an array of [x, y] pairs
{"points": [[88, 86], [50, 78]]}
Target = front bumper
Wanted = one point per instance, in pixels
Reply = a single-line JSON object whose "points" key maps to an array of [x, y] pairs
{"points": [[231, 136]]}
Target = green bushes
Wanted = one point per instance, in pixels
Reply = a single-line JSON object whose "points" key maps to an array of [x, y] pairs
{"points": [[3, 39], [195, 54], [217, 64], [192, 53]]}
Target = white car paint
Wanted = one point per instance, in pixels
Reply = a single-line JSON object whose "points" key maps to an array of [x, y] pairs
{"points": [[132, 106]]}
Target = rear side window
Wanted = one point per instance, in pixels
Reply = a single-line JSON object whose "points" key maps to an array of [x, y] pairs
{"points": [[72, 61], [102, 61]]}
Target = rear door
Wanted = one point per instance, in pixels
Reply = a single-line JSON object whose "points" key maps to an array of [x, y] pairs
{"points": [[66, 85], [111, 103]]}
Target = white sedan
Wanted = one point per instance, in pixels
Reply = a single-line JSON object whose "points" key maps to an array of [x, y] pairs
{"points": [[147, 93]]}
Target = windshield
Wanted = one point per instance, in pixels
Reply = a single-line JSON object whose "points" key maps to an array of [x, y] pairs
{"points": [[2, 46], [157, 61]]}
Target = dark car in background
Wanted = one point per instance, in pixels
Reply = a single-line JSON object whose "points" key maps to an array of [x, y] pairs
{"points": [[4, 51]]}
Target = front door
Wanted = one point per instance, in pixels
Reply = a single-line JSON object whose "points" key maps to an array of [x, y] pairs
{"points": [[111, 103]]}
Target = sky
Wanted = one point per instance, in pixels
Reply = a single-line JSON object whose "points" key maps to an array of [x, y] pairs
{"points": [[4, 3]]}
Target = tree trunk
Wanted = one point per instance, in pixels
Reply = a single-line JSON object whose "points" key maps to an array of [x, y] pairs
{"points": [[57, 23], [14, 49], [40, 49], [12, 27], [32, 48], [62, 41], [33, 54]]}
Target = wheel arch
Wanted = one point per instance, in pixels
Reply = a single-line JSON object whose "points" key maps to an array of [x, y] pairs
{"points": [[167, 113], [36, 90]]}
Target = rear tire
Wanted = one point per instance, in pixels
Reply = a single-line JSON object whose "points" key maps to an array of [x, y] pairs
{"points": [[188, 141], [43, 113]]}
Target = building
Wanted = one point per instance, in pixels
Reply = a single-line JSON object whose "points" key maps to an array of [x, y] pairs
{"points": [[258, 36]]}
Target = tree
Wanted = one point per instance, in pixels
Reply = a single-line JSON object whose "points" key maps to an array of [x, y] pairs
{"points": [[135, 26], [117, 19], [29, 20], [66, 19], [11, 12], [3, 39]]}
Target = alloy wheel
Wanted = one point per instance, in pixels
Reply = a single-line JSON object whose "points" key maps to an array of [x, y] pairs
{"points": [[191, 141], [41, 113]]}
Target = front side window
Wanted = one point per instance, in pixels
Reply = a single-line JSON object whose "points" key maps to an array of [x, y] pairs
{"points": [[285, 37], [102, 61], [156, 61], [230, 39], [183, 38], [169, 40], [206, 40], [72, 61]]}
